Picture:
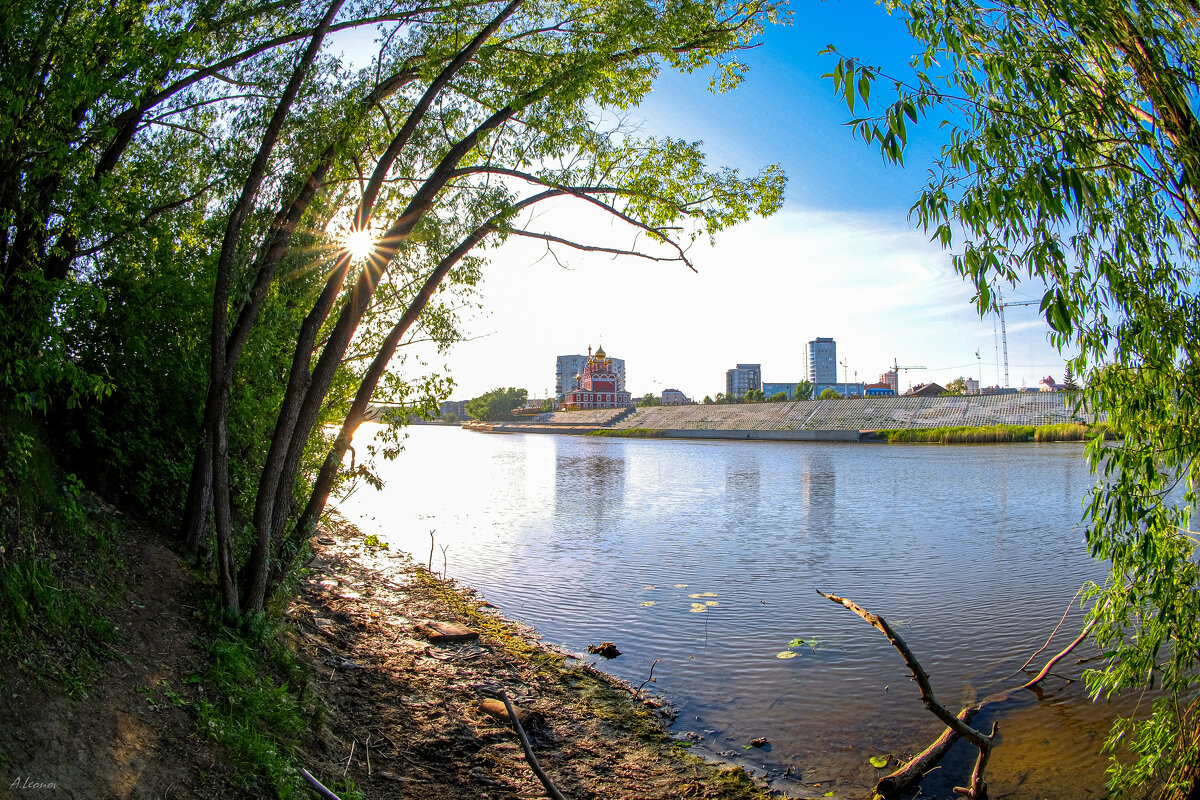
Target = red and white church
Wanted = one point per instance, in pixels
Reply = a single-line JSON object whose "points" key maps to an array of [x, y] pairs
{"points": [[598, 386]]}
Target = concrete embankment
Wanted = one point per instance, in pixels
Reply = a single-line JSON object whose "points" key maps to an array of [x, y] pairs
{"points": [[842, 420]]}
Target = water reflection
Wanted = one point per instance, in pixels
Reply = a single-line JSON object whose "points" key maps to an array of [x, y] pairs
{"points": [[971, 552], [589, 489]]}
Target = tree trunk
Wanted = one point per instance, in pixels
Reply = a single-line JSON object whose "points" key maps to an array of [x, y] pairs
{"points": [[199, 497]]}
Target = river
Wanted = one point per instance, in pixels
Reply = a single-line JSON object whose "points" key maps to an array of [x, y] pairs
{"points": [[705, 556]]}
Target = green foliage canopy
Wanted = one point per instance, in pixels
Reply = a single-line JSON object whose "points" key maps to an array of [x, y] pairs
{"points": [[497, 405], [1073, 160]]}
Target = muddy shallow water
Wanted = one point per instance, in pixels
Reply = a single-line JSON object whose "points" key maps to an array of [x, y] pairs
{"points": [[704, 557]]}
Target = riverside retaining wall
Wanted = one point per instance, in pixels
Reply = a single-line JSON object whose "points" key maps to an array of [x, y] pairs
{"points": [[845, 419]]}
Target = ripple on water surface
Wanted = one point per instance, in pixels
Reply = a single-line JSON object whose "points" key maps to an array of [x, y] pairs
{"points": [[972, 552]]}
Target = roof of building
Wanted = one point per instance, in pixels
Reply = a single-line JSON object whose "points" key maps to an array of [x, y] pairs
{"points": [[926, 390]]}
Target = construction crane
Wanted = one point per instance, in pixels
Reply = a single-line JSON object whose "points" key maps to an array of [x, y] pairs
{"points": [[1004, 333], [896, 368]]}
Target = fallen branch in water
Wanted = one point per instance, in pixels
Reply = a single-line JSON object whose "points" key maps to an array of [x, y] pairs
{"points": [[978, 788], [912, 771], [915, 768]]}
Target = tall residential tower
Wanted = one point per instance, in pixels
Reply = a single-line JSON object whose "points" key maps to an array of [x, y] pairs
{"points": [[822, 360]]}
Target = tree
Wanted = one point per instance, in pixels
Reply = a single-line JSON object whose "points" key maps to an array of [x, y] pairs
{"points": [[708, 401], [1073, 159], [497, 405], [229, 131], [450, 418], [957, 386], [648, 400], [1069, 383], [830, 394], [803, 391], [778, 397], [753, 396]]}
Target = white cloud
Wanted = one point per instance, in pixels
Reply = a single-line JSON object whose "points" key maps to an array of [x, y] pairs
{"points": [[769, 286]]}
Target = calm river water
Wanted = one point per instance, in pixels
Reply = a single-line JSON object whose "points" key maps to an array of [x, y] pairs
{"points": [[971, 552]]}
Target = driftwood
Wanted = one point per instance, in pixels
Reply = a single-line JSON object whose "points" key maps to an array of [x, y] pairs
{"points": [[978, 788], [514, 718], [911, 772]]}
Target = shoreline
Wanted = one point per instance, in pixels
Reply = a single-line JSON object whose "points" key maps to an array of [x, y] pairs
{"points": [[599, 738], [982, 434], [952, 418]]}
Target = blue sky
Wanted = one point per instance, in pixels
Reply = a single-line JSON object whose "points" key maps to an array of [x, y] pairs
{"points": [[840, 260]]}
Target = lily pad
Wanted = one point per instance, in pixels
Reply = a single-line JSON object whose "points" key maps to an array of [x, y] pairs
{"points": [[699, 608], [650, 586], [879, 762], [813, 644], [681, 586], [647, 603], [710, 603], [787, 654], [703, 594]]}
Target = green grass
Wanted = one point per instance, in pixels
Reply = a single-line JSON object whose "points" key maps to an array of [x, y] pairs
{"points": [[630, 433], [59, 573], [1060, 432], [260, 709]]}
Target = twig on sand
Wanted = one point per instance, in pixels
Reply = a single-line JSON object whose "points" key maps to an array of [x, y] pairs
{"points": [[637, 694]]}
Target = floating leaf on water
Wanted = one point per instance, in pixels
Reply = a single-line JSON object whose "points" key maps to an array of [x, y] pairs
{"points": [[681, 586], [647, 603], [699, 608], [710, 602], [649, 586], [787, 654], [879, 762], [704, 594], [827, 794]]}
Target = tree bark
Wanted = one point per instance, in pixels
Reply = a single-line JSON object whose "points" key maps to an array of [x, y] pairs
{"points": [[307, 391], [323, 485], [219, 383]]}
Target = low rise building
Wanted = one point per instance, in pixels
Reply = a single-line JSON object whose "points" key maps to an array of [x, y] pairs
{"points": [[674, 397], [567, 370], [844, 389], [743, 378], [926, 390], [772, 389]]}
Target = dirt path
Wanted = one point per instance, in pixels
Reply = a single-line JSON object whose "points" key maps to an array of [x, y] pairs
{"points": [[402, 715], [120, 740]]}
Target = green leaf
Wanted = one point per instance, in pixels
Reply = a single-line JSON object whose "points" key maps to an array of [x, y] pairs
{"points": [[879, 762]]}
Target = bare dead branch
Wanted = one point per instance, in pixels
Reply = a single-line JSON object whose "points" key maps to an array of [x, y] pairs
{"points": [[978, 788], [616, 251]]}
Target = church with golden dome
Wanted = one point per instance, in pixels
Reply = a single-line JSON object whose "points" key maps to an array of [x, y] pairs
{"points": [[598, 385]]}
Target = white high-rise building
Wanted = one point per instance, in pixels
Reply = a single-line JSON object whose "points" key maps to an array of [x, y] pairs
{"points": [[822, 360]]}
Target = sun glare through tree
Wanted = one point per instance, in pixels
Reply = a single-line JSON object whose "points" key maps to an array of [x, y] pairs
{"points": [[359, 244]]}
